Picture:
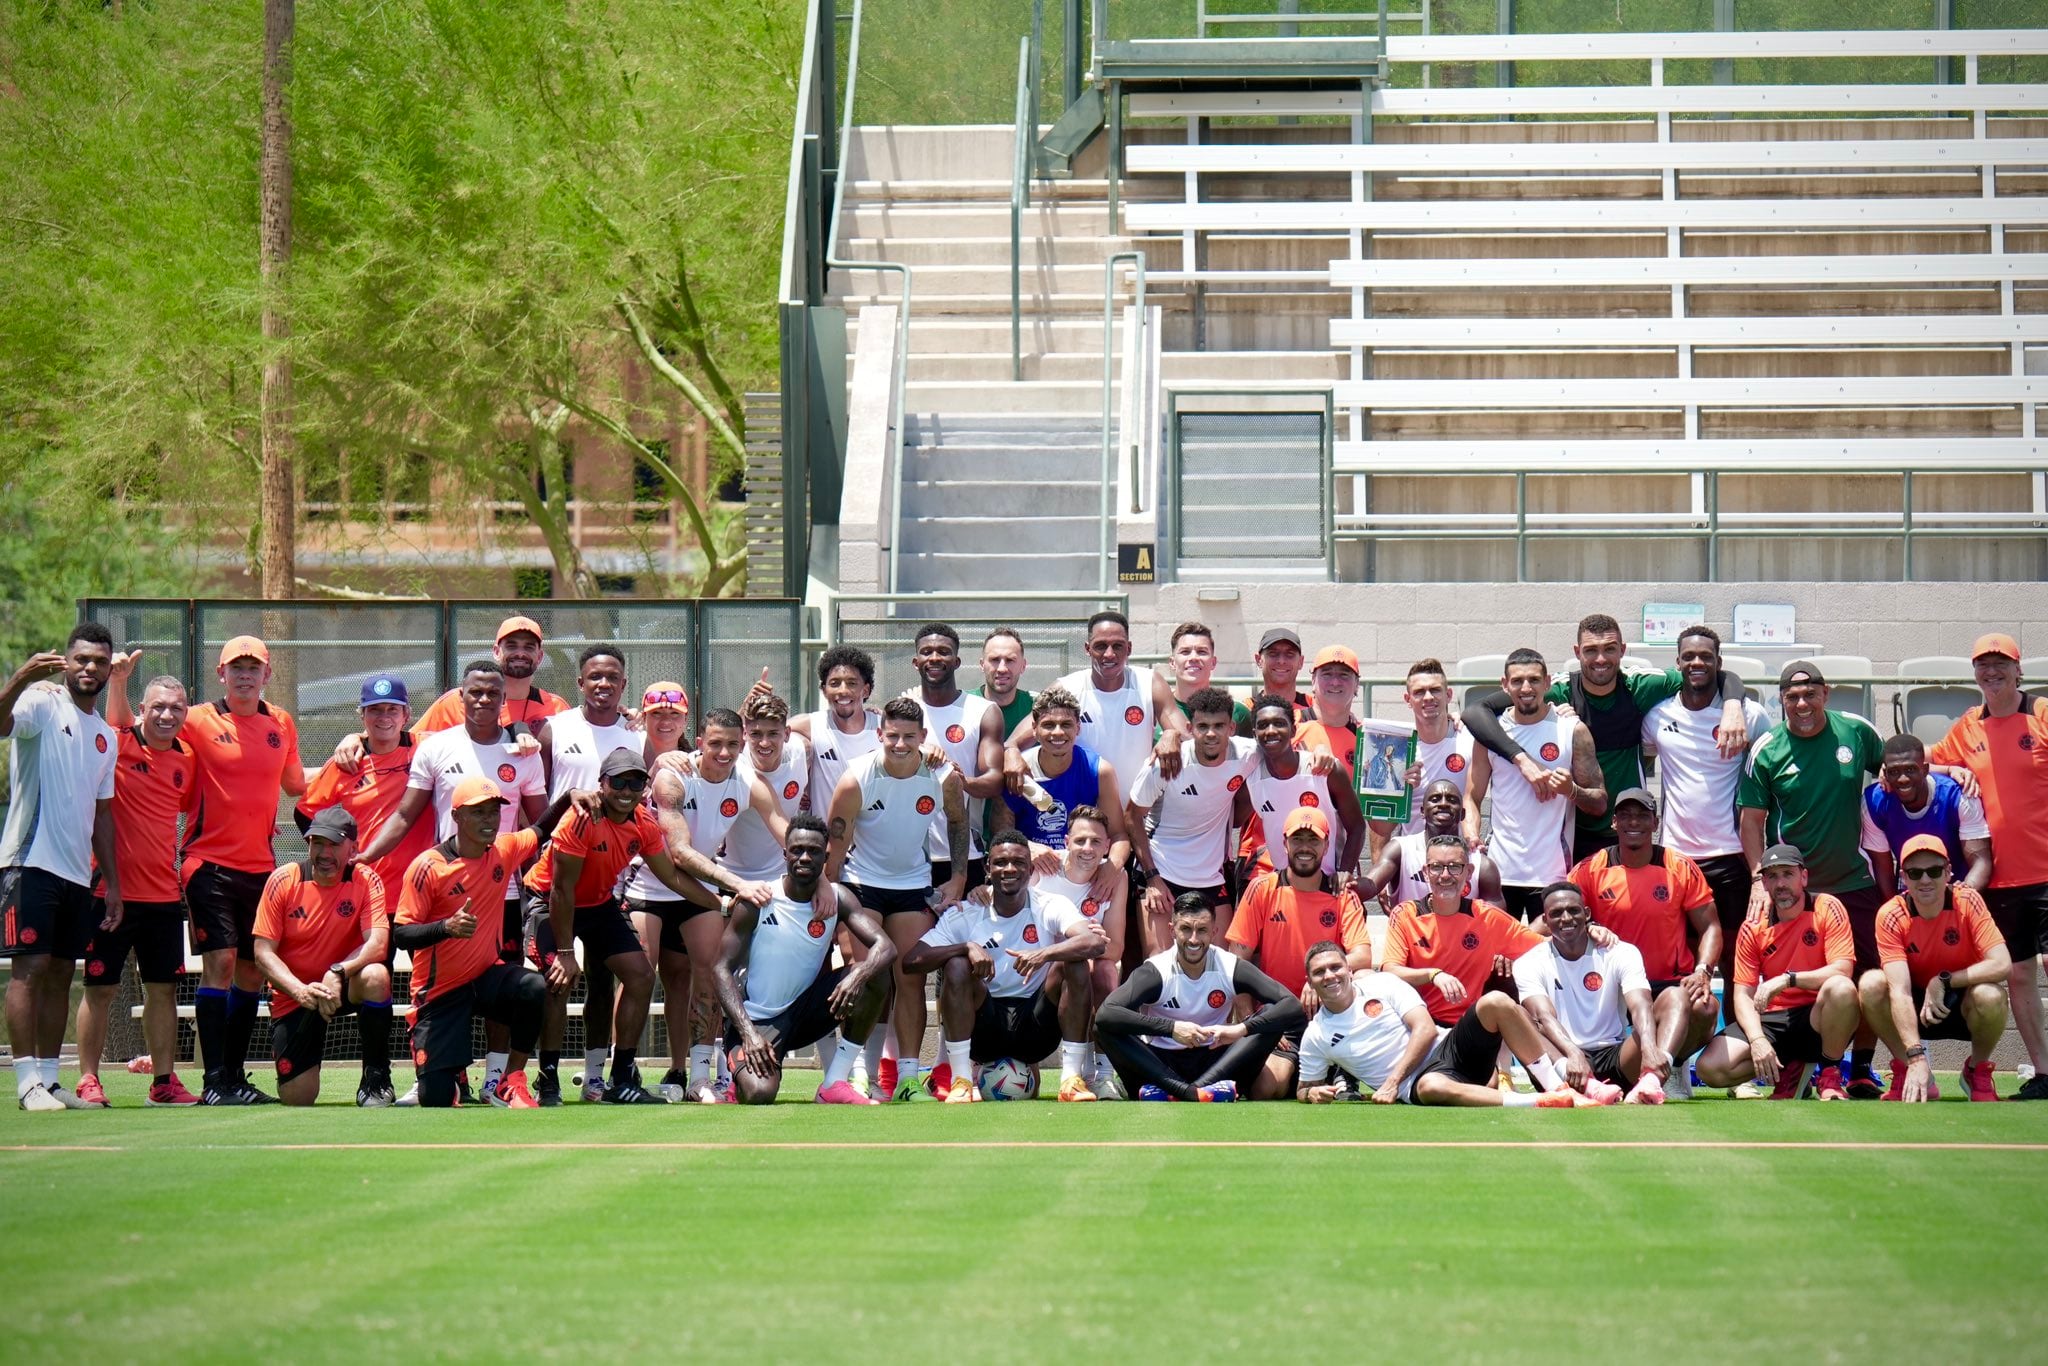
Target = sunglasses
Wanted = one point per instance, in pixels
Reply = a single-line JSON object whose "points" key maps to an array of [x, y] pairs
{"points": [[1926, 872], [665, 697], [627, 782]]}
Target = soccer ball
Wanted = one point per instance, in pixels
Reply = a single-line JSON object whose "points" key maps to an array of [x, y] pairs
{"points": [[1007, 1079]]}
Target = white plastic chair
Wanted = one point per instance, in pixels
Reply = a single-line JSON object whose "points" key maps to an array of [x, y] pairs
{"points": [[1929, 709]]}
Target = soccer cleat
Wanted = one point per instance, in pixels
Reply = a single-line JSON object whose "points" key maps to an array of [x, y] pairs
{"points": [[1218, 1093], [913, 1090], [858, 1078], [38, 1098], [1074, 1088], [411, 1098], [1559, 1100], [842, 1093], [512, 1093], [674, 1086], [1828, 1085], [1602, 1092], [70, 1100], [224, 1095], [595, 1091], [1678, 1086], [92, 1093], [1107, 1085], [171, 1092], [1898, 1086], [939, 1081], [1150, 1092], [1791, 1081], [1648, 1090], [375, 1094], [1864, 1085], [1748, 1090], [630, 1093], [963, 1092], [463, 1095], [1977, 1080], [251, 1096], [2033, 1088], [704, 1092], [885, 1077], [547, 1089]]}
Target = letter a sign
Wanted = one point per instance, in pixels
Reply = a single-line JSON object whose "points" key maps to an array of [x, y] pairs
{"points": [[1136, 564]]}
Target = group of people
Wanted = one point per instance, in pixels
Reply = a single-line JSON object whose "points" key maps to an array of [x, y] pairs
{"points": [[1089, 872]]}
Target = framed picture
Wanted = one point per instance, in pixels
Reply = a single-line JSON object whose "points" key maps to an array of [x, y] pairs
{"points": [[1386, 749]]}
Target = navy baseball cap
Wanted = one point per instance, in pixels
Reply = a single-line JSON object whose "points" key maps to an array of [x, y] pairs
{"points": [[384, 688]]}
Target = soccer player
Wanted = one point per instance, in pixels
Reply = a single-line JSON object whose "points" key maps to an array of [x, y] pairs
{"points": [[247, 751], [880, 814], [1443, 750], [845, 728], [1805, 1010], [1188, 848], [1370, 1028], [969, 730], [1014, 976], [1088, 879], [1401, 873], [1910, 799], [60, 820], [1281, 914], [322, 936], [575, 741], [518, 655], [1449, 945], [1279, 660], [1118, 708], [1944, 975], [1804, 787], [1585, 999], [1609, 704], [1002, 669], [1701, 776], [372, 790], [1191, 651], [457, 973], [154, 784], [1060, 774], [1532, 834], [1166, 1030], [776, 982], [2004, 743], [1281, 778]]}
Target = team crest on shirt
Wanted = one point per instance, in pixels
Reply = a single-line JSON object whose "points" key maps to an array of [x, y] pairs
{"points": [[1216, 999], [1843, 755], [729, 808], [1592, 981], [955, 733], [789, 790], [1373, 1008], [177, 775], [925, 806], [1328, 920], [1031, 934], [274, 740], [1549, 751], [1091, 908], [1310, 799], [2026, 743], [1454, 764], [1236, 784], [1810, 938], [346, 909], [497, 874], [1951, 937], [633, 846], [1660, 893], [1134, 716], [99, 742], [816, 929], [1470, 941], [506, 773]]}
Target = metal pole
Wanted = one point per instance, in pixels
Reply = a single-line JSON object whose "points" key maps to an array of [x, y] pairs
{"points": [[1521, 517], [1105, 571], [1070, 60], [1906, 528], [1504, 23], [1944, 68], [1724, 22]]}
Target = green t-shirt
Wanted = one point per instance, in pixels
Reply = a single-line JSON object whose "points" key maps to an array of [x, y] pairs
{"points": [[1618, 739], [1014, 713], [1812, 792]]}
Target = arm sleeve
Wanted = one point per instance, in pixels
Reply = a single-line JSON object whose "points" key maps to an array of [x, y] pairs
{"points": [[1891, 938], [1873, 838], [1749, 956], [1982, 931], [1650, 688], [1281, 1009], [1313, 1063], [420, 773], [1352, 931], [411, 936], [1692, 891], [32, 711], [1520, 938], [1147, 788], [1124, 1013], [1482, 718], [532, 781], [1394, 953], [1403, 998], [951, 930], [1752, 791], [1246, 923], [1529, 976], [378, 915]]}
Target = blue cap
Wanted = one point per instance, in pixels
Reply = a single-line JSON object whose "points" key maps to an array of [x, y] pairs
{"points": [[384, 688]]}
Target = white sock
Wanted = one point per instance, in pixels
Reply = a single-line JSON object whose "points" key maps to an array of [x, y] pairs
{"points": [[27, 1076], [724, 1066], [873, 1049], [889, 1043], [960, 1057], [841, 1064], [1090, 1063], [1073, 1060], [907, 1070], [1545, 1075], [49, 1074], [701, 1069], [593, 1064], [494, 1068], [1517, 1098]]}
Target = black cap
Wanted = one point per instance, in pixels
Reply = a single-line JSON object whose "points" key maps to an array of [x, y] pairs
{"points": [[1800, 671], [1640, 796], [333, 825], [1277, 634], [1782, 856], [622, 760]]}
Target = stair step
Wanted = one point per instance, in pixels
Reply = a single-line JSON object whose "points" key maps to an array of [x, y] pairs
{"points": [[964, 249], [997, 572], [1065, 398], [964, 499], [1004, 535]]}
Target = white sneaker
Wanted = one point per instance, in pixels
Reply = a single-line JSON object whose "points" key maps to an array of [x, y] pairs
{"points": [[1106, 1084], [68, 1098], [38, 1097], [703, 1092], [593, 1091], [411, 1098], [1678, 1086]]}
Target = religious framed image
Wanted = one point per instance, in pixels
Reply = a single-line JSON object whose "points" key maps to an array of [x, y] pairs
{"points": [[1386, 750]]}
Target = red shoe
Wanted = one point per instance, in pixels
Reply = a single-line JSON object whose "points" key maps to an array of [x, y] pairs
{"points": [[1566, 1099], [90, 1091], [1828, 1085], [939, 1081], [513, 1093], [1977, 1081], [1897, 1089], [1791, 1077], [842, 1093], [885, 1076], [170, 1092]]}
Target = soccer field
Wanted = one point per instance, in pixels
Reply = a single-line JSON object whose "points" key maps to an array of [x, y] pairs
{"points": [[1028, 1231]]}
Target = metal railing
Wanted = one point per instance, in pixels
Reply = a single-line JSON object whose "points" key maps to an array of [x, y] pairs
{"points": [[1023, 166], [1106, 569]]}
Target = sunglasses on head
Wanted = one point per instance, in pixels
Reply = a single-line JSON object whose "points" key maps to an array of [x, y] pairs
{"points": [[656, 697], [1926, 872]]}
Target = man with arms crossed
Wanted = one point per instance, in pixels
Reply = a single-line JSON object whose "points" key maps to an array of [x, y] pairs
{"points": [[1585, 999], [792, 997], [1944, 975]]}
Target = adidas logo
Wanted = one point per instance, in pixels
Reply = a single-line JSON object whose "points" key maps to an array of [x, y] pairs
{"points": [[1791, 770], [769, 919], [1277, 918], [689, 804], [989, 943], [1169, 1004], [876, 805], [1266, 808], [455, 768], [1190, 791], [1336, 1039], [572, 749], [298, 913]]}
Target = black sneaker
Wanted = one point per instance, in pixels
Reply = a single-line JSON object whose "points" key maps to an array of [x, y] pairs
{"points": [[376, 1094], [2035, 1088], [224, 1095], [463, 1094], [1864, 1085], [675, 1087], [630, 1093], [547, 1088], [251, 1096]]}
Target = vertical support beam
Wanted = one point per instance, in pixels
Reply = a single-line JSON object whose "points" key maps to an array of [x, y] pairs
{"points": [[1072, 61], [1504, 23], [1906, 524], [1359, 422], [1116, 147], [1521, 524], [1724, 22], [1944, 65], [1713, 526]]}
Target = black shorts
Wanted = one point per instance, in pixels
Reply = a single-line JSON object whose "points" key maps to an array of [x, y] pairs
{"points": [[1026, 1028], [512, 933], [1468, 1053], [1791, 1032], [1863, 906], [441, 1025], [1951, 1025], [1523, 903], [298, 1039], [2021, 914], [808, 1019], [1606, 1064], [604, 931], [223, 905], [1730, 880], [673, 915], [43, 913], [888, 901], [153, 930], [1175, 891], [977, 873]]}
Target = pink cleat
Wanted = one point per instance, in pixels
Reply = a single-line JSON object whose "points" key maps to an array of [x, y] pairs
{"points": [[842, 1093], [1602, 1092], [1649, 1090], [1828, 1085]]}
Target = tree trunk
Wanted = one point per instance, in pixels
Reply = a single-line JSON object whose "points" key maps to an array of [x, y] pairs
{"points": [[279, 552]]}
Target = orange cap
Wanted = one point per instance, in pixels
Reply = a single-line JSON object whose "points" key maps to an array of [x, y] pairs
{"points": [[1924, 844], [244, 647], [1306, 818], [511, 625], [665, 696], [1995, 643], [474, 792], [1335, 654]]}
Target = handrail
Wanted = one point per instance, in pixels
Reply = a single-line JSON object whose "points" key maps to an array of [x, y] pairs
{"points": [[1020, 194], [1105, 570]]}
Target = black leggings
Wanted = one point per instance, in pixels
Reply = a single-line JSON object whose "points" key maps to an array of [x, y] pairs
{"points": [[512, 996], [1179, 1071]]}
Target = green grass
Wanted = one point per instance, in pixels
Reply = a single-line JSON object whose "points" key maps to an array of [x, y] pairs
{"points": [[196, 1239]]}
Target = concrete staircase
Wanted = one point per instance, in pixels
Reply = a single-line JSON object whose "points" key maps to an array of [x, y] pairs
{"points": [[1000, 501]]}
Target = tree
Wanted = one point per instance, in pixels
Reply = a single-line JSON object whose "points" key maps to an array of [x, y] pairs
{"points": [[280, 515]]}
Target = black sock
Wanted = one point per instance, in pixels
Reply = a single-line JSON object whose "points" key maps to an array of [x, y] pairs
{"points": [[1860, 1060], [622, 1065], [375, 1017], [241, 1025], [550, 1061], [210, 1020], [163, 1079]]}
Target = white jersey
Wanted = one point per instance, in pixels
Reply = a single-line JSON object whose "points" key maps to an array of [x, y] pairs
{"points": [[1531, 838], [1586, 991], [1190, 834], [1274, 800], [1449, 759], [446, 757], [1414, 881], [578, 749], [956, 729], [1116, 726], [750, 851], [59, 766], [1365, 1039], [1043, 921], [1203, 999], [791, 941], [709, 810], [894, 818], [832, 750], [1699, 816], [1066, 889]]}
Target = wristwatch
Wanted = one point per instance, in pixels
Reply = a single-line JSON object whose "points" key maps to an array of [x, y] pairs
{"points": [[340, 970], [1945, 982]]}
